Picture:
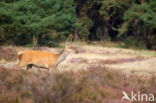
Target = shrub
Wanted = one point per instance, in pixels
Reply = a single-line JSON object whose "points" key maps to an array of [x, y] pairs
{"points": [[95, 85], [131, 42], [8, 54]]}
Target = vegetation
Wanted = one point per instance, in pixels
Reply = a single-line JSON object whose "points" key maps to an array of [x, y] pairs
{"points": [[23, 21], [45, 22], [7, 54], [95, 85], [119, 23]]}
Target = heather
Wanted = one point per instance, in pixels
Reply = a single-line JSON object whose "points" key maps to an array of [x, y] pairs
{"points": [[97, 84], [7, 54], [90, 74]]}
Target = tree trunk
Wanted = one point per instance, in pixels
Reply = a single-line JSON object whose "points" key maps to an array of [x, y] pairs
{"points": [[35, 41], [75, 35]]}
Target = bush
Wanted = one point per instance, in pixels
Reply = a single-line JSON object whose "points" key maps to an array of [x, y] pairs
{"points": [[131, 42]]}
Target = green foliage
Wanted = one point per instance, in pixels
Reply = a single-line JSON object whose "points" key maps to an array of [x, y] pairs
{"points": [[112, 12], [131, 42], [115, 5], [139, 21], [49, 21], [20, 20], [141, 12], [85, 25], [130, 18]]}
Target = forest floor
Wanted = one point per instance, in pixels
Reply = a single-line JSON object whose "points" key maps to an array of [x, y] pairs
{"points": [[84, 56]]}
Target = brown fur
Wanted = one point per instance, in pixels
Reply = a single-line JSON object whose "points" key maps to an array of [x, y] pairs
{"points": [[42, 59], [38, 58]]}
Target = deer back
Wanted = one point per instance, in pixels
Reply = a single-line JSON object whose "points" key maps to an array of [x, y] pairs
{"points": [[38, 58]]}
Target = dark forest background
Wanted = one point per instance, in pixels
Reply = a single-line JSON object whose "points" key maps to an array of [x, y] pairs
{"points": [[46, 22]]}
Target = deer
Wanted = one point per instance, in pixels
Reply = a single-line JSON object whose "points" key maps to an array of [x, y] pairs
{"points": [[43, 59]]}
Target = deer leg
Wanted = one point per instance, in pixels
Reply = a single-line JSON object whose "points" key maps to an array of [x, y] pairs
{"points": [[20, 64], [54, 67]]}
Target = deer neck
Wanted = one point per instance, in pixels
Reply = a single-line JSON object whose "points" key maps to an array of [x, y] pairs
{"points": [[62, 55]]}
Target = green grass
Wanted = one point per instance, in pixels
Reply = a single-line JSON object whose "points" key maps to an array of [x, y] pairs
{"points": [[147, 53]]}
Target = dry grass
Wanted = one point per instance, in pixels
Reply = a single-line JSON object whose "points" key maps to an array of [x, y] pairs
{"points": [[84, 56]]}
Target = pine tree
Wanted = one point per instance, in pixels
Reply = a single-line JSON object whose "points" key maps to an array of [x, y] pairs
{"points": [[22, 21]]}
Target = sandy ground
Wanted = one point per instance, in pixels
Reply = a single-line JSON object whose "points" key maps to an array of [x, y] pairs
{"points": [[126, 60]]}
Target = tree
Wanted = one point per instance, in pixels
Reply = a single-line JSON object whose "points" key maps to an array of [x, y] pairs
{"points": [[22, 21], [139, 22]]}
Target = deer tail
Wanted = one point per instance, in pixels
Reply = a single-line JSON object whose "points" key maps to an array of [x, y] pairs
{"points": [[19, 53]]}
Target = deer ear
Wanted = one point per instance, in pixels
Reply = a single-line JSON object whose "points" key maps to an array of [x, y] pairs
{"points": [[69, 43], [66, 42]]}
